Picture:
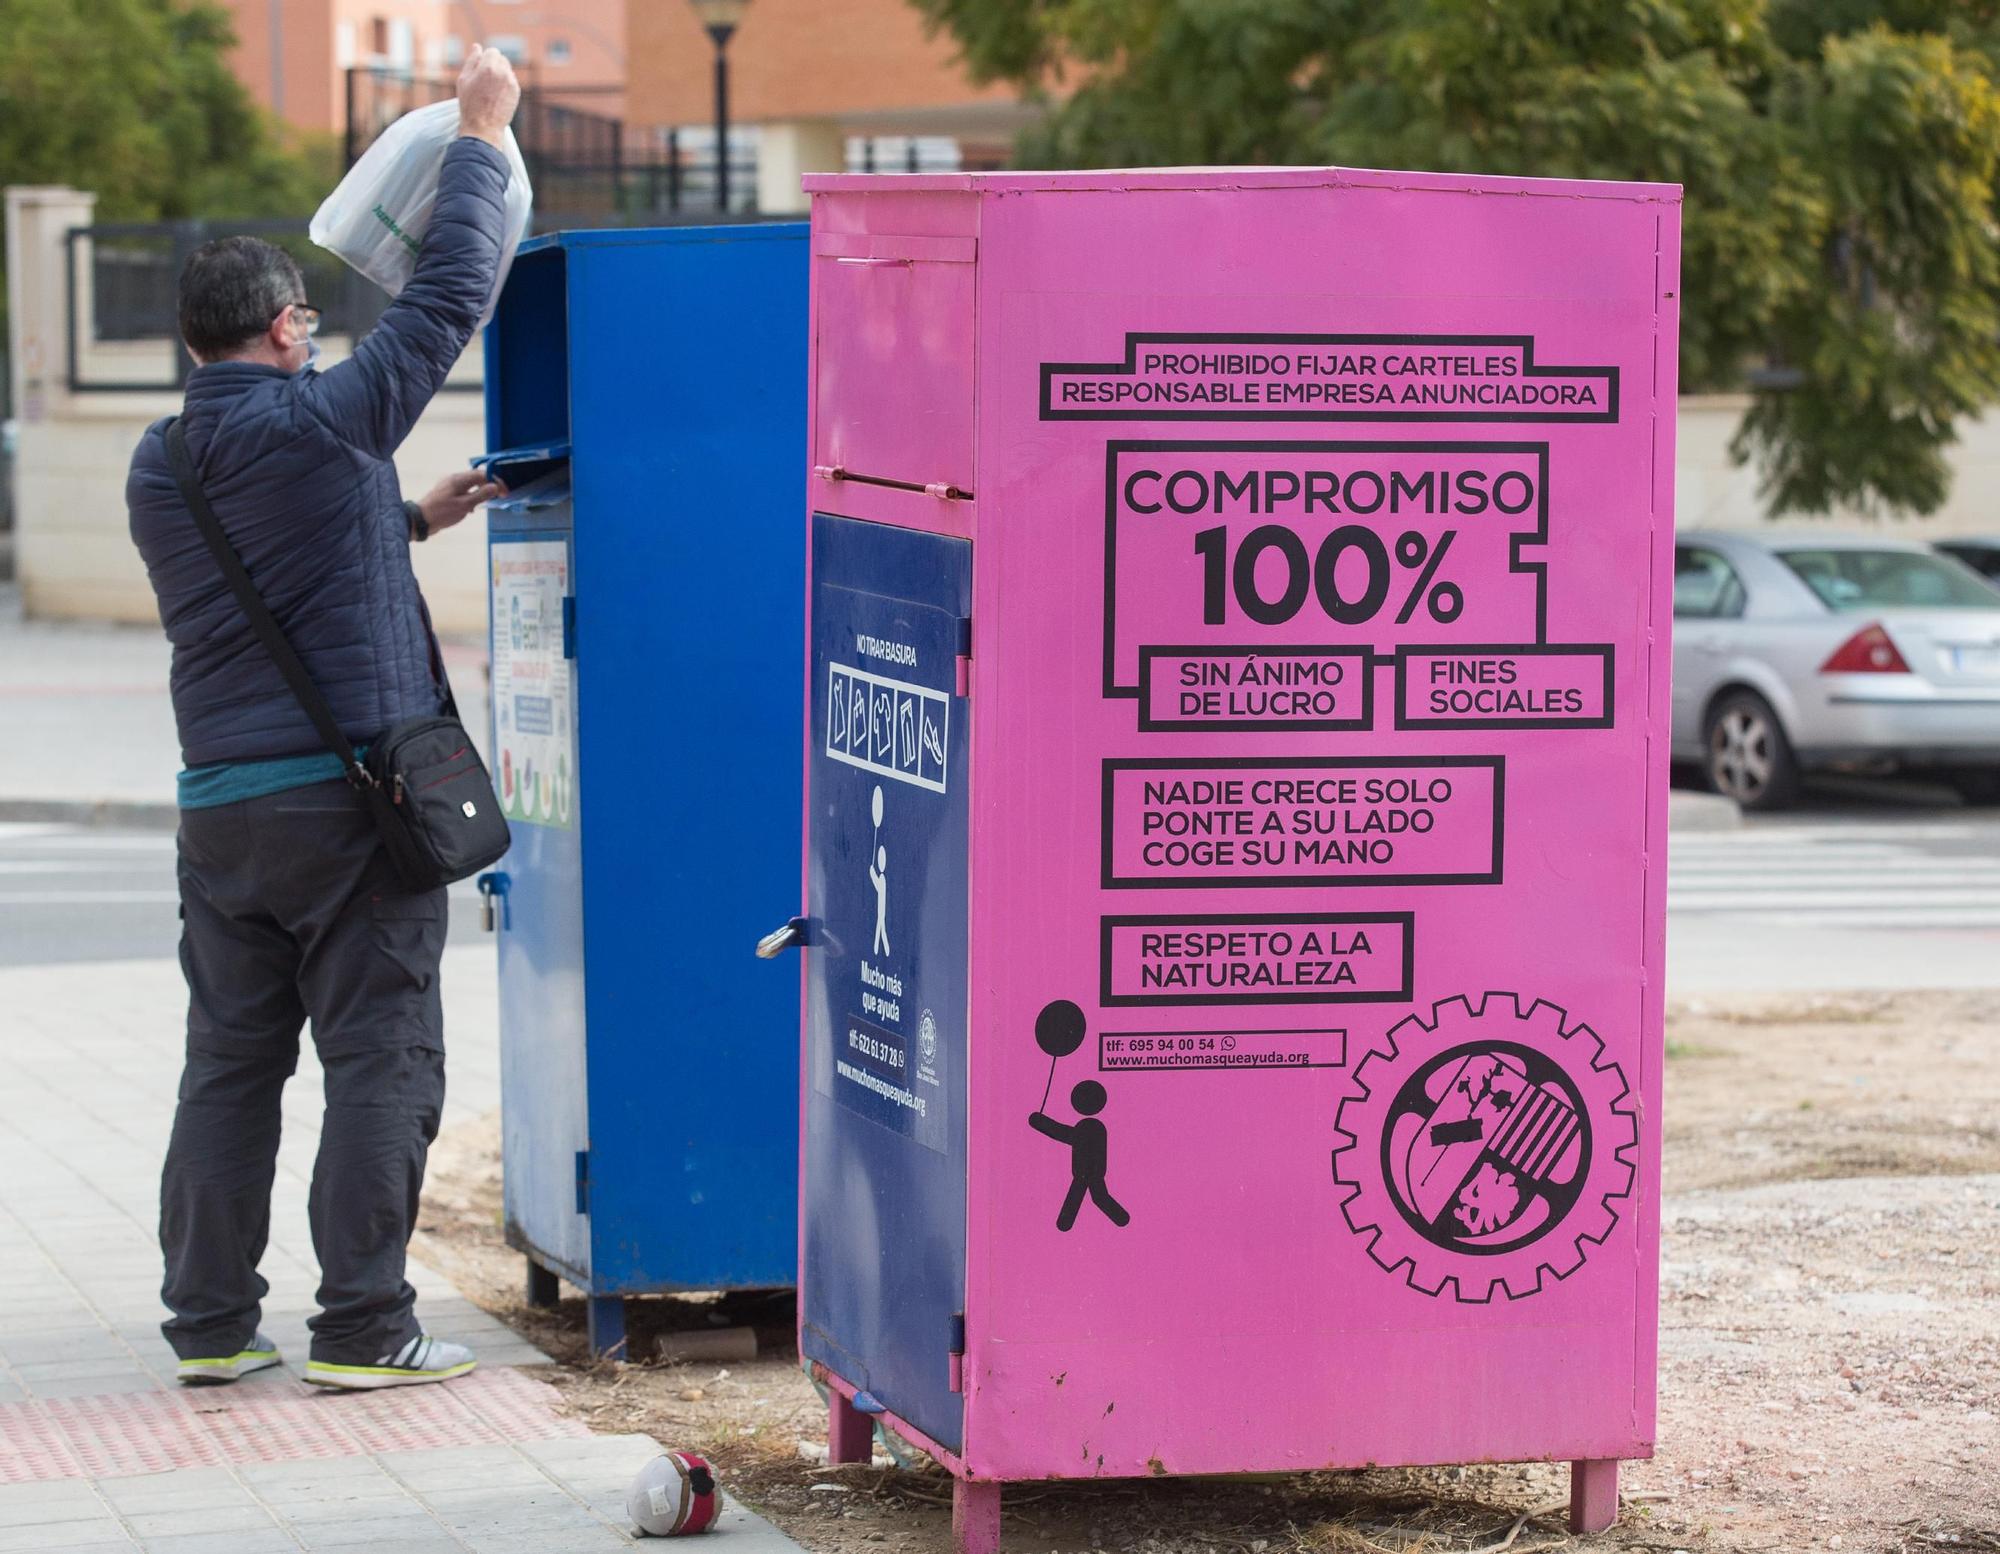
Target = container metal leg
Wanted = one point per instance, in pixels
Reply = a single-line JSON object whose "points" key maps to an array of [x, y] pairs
{"points": [[1593, 1495], [607, 1327], [975, 1517], [544, 1288], [850, 1434]]}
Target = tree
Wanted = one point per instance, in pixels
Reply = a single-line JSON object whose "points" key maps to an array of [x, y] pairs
{"points": [[135, 100], [1841, 256]]}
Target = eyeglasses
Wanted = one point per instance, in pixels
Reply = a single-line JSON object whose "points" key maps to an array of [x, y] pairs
{"points": [[310, 314]]}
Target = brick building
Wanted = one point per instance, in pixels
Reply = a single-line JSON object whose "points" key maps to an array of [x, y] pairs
{"points": [[810, 75], [293, 55]]}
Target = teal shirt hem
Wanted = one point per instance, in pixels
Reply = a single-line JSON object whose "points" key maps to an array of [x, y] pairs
{"points": [[231, 782]]}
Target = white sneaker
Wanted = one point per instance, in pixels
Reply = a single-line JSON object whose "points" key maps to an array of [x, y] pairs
{"points": [[261, 1355], [423, 1359]]}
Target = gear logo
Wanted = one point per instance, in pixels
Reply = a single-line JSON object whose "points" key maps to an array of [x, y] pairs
{"points": [[1486, 1148]]}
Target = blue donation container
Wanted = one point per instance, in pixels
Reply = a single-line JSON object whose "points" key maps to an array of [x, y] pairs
{"points": [[645, 403]]}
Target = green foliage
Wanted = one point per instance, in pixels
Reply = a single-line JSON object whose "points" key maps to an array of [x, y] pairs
{"points": [[135, 99], [1840, 250]]}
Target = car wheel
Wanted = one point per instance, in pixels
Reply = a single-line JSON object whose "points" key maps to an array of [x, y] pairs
{"points": [[1749, 759], [1979, 786]]}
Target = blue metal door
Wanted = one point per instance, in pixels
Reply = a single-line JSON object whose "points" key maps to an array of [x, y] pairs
{"points": [[884, 1276], [543, 1090]]}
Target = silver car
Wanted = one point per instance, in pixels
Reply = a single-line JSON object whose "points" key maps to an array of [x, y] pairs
{"points": [[1798, 651]]}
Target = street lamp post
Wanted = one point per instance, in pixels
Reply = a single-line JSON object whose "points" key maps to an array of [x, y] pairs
{"points": [[721, 17]]}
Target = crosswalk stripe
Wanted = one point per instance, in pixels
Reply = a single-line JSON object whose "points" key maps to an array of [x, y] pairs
{"points": [[1973, 918], [1679, 883], [1860, 831], [1928, 875], [1768, 900]]}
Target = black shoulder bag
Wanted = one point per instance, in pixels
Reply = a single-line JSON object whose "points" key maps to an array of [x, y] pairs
{"points": [[426, 787]]}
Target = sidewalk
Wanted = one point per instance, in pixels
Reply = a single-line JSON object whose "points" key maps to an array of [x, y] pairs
{"points": [[99, 1448]]}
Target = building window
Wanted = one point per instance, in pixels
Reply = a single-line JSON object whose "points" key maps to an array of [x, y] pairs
{"points": [[454, 49], [558, 51], [343, 45], [511, 46], [402, 45]]}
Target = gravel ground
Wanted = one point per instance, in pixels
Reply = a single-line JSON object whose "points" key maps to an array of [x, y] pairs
{"points": [[1830, 1345]]}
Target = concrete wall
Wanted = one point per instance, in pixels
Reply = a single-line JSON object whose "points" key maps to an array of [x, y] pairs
{"points": [[73, 556], [1713, 493], [75, 559]]}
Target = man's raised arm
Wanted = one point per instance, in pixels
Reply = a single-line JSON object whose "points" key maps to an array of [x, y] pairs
{"points": [[374, 397]]}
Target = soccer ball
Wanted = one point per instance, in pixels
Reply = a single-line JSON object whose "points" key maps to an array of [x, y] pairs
{"points": [[673, 1495]]}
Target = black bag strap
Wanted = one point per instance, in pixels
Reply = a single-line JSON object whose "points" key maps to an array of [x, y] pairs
{"points": [[261, 621]]}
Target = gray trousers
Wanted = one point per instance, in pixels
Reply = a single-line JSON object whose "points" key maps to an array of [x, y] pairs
{"points": [[291, 912]]}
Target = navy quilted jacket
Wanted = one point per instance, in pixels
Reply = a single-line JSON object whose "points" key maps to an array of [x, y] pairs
{"points": [[297, 467]]}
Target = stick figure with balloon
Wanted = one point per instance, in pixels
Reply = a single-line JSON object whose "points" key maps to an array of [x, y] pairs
{"points": [[1059, 1031]]}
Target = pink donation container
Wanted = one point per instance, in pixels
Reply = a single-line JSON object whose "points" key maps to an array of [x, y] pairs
{"points": [[1236, 821]]}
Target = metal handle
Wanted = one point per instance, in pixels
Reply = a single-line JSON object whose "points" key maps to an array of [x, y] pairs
{"points": [[491, 886], [775, 943]]}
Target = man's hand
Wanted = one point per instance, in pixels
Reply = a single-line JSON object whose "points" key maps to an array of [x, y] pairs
{"points": [[455, 496], [487, 96]]}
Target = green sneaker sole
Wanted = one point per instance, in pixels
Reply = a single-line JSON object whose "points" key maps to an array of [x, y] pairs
{"points": [[372, 1378], [226, 1368]]}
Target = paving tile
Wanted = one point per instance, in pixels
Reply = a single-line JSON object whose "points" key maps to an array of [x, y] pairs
{"points": [[56, 1500], [386, 1532], [593, 1539], [612, 1450], [95, 1546], [438, 1543], [325, 1508], [214, 1517], [504, 1509], [104, 1531], [462, 1470], [35, 1372], [223, 1543], [98, 1386], [174, 1491], [330, 1473], [45, 1346]]}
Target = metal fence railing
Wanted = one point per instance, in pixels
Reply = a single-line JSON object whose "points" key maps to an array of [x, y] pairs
{"points": [[589, 169], [588, 163], [581, 161], [122, 283]]}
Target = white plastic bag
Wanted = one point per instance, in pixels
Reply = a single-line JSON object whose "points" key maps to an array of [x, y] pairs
{"points": [[377, 216]]}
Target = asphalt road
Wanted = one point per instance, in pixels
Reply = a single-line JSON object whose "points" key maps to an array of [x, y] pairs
{"points": [[1866, 885], [83, 893]]}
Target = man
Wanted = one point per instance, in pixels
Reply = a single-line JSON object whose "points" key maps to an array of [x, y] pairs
{"points": [[290, 908]]}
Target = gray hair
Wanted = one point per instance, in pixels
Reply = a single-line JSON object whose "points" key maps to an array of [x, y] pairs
{"points": [[231, 290]]}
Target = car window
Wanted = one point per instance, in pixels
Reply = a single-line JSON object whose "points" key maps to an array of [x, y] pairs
{"points": [[1706, 587], [1889, 579], [1983, 559]]}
